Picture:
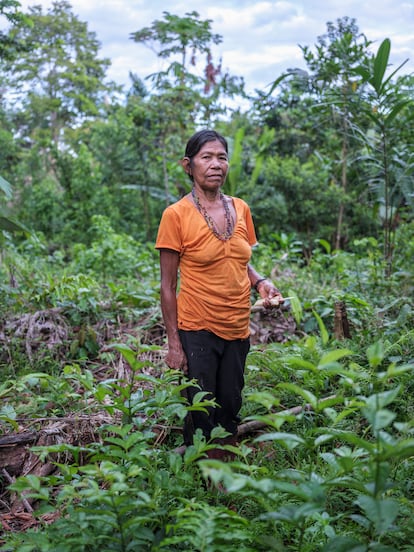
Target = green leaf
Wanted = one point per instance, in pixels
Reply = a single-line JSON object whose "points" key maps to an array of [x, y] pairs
{"points": [[379, 418], [329, 402], [400, 450], [322, 328], [5, 187], [12, 225], [295, 306], [395, 110], [375, 354], [10, 421], [297, 362], [128, 354], [307, 395], [332, 356], [380, 400], [288, 440], [236, 163], [381, 64], [265, 398], [344, 544], [326, 245], [276, 83], [380, 512], [352, 439], [394, 371]]}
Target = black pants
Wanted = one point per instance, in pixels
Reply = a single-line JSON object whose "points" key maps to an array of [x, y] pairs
{"points": [[218, 366]]}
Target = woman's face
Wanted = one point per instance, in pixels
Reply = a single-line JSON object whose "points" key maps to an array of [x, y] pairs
{"points": [[209, 166]]}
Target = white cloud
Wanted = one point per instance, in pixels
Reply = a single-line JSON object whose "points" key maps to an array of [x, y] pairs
{"points": [[260, 37]]}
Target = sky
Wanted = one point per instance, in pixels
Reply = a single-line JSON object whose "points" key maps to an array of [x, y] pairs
{"points": [[260, 38]]}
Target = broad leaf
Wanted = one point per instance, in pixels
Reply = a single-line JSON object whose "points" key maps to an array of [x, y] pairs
{"points": [[381, 512], [381, 64]]}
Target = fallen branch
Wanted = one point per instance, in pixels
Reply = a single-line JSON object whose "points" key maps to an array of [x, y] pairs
{"points": [[257, 425], [11, 480], [18, 439]]}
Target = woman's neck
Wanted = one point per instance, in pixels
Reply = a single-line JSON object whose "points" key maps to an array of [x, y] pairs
{"points": [[209, 196]]}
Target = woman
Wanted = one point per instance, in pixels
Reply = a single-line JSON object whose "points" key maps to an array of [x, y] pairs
{"points": [[207, 238]]}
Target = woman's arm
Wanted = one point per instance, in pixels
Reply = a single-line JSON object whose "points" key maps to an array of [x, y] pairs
{"points": [[169, 261], [264, 287]]}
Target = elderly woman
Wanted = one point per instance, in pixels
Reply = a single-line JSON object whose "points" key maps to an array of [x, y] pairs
{"points": [[206, 238]]}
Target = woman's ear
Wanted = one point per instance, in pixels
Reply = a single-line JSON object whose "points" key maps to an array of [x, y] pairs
{"points": [[186, 164]]}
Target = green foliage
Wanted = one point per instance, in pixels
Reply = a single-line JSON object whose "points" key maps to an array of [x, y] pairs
{"points": [[131, 493], [336, 480], [10, 47], [6, 223], [113, 256], [43, 208], [365, 464], [179, 35], [122, 147], [288, 186], [352, 105], [184, 99], [53, 40], [85, 195], [391, 174], [5, 187]]}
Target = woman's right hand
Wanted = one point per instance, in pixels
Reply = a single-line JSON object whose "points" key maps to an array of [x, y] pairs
{"points": [[176, 359]]}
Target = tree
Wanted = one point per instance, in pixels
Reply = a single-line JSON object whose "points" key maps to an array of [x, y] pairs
{"points": [[9, 46], [9, 49], [184, 98], [125, 146], [183, 36], [337, 53], [55, 84], [390, 162], [59, 80]]}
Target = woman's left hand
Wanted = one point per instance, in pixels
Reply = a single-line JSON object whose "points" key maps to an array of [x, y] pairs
{"points": [[268, 291]]}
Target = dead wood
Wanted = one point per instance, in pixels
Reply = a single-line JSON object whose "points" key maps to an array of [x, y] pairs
{"points": [[341, 322], [256, 425], [17, 458], [275, 325], [17, 438], [48, 328]]}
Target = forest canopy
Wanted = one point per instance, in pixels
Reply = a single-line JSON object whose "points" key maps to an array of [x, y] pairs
{"points": [[324, 155]]}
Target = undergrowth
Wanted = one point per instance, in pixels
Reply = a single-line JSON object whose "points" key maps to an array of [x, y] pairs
{"points": [[330, 464], [327, 477]]}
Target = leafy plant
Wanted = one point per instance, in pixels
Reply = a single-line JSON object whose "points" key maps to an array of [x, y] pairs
{"points": [[385, 103]]}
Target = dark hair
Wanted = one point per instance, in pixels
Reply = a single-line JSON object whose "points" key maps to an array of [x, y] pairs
{"points": [[197, 141]]}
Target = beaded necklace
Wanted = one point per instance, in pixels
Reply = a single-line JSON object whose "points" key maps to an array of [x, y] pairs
{"points": [[228, 230]]}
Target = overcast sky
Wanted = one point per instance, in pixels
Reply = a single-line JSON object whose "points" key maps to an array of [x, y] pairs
{"points": [[260, 38]]}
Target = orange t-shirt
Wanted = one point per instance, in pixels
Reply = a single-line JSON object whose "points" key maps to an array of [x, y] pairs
{"points": [[214, 289]]}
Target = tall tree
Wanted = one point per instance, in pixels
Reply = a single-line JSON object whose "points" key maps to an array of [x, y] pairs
{"points": [[332, 67], [9, 49], [183, 97], [9, 46], [389, 107], [60, 79], [55, 83]]}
